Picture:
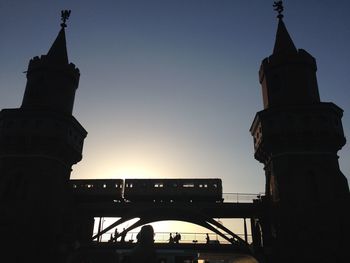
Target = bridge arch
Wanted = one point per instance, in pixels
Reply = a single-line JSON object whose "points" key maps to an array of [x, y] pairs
{"points": [[147, 216]]}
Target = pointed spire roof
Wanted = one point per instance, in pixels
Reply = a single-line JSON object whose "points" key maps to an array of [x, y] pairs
{"points": [[58, 50], [283, 42]]}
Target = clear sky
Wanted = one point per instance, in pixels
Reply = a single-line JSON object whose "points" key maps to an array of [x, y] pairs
{"points": [[170, 88]]}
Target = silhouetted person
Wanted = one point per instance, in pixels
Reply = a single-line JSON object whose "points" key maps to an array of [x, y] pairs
{"points": [[207, 238], [123, 236], [116, 233], [171, 239], [144, 250], [177, 237]]}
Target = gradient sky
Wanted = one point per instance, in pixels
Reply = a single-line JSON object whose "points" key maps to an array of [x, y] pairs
{"points": [[170, 88]]}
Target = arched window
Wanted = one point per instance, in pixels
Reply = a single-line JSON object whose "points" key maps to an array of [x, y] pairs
{"points": [[312, 186], [15, 187]]}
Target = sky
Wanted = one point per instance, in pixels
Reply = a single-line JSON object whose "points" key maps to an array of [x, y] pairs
{"points": [[170, 88]]}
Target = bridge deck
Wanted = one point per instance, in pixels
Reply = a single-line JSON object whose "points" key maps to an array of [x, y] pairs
{"points": [[216, 210], [181, 247]]}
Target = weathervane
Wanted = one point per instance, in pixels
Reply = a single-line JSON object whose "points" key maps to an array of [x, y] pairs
{"points": [[64, 17], [278, 6]]}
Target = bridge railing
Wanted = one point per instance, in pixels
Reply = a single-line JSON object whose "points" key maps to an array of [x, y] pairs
{"points": [[240, 197], [200, 238], [186, 237]]}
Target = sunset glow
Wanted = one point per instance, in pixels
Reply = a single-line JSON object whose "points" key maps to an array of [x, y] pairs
{"points": [[169, 89]]}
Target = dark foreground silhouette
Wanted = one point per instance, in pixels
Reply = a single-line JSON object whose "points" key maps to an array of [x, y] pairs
{"points": [[144, 251]]}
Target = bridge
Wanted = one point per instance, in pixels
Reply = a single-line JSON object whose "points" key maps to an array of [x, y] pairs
{"points": [[202, 213], [116, 252]]}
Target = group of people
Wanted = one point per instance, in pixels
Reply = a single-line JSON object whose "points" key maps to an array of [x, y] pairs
{"points": [[116, 236], [174, 239]]}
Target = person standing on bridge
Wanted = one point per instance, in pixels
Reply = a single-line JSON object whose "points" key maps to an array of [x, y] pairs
{"points": [[123, 236], [116, 233], [207, 239], [177, 238], [171, 239]]}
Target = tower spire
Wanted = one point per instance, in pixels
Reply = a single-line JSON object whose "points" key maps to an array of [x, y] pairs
{"points": [[52, 80], [58, 51], [283, 42]]}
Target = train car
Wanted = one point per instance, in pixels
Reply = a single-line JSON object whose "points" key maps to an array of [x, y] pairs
{"points": [[97, 190], [172, 190]]}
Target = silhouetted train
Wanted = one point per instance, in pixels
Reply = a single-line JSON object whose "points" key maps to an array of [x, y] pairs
{"points": [[129, 190]]}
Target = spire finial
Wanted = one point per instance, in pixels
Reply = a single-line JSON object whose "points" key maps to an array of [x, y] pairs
{"points": [[64, 17], [278, 6]]}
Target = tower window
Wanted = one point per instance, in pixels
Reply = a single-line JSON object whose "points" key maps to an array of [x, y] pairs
{"points": [[336, 122], [16, 188], [39, 123], [312, 186], [24, 123], [9, 124]]}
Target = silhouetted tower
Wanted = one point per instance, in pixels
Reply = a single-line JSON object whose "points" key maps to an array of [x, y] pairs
{"points": [[39, 143], [297, 137]]}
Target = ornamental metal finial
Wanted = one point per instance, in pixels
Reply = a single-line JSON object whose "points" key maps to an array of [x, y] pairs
{"points": [[278, 6], [64, 17]]}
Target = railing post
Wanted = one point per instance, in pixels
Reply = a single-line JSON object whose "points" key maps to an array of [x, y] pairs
{"points": [[245, 231], [99, 230]]}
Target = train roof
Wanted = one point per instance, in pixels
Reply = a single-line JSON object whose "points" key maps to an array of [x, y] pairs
{"points": [[203, 178], [173, 179], [144, 179]]}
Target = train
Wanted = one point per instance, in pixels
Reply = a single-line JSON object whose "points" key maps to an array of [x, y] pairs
{"points": [[149, 190]]}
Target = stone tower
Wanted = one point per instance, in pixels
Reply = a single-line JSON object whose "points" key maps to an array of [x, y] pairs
{"points": [[297, 138], [39, 143]]}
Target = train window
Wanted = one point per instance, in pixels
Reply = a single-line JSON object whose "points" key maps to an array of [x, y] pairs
{"points": [[200, 186], [158, 185], [116, 185], [130, 185], [215, 185], [104, 185], [89, 185], [175, 185], [205, 185], [188, 185], [74, 186]]}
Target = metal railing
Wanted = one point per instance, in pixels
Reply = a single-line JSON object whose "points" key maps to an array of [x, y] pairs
{"points": [[240, 197], [186, 237]]}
